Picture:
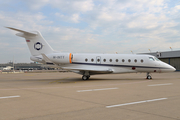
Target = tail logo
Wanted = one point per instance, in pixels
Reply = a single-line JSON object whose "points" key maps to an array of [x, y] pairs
{"points": [[38, 46]]}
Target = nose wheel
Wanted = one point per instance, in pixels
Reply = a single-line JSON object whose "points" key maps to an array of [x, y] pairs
{"points": [[85, 77], [148, 76]]}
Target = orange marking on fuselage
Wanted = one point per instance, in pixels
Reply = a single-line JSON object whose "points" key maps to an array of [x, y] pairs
{"points": [[70, 61]]}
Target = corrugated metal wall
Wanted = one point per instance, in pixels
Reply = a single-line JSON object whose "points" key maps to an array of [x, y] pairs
{"points": [[175, 62]]}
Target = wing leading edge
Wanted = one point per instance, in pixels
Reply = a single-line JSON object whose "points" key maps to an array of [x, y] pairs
{"points": [[90, 70]]}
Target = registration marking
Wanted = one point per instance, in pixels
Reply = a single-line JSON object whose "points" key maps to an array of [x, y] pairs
{"points": [[9, 97], [111, 106], [97, 89], [160, 84]]}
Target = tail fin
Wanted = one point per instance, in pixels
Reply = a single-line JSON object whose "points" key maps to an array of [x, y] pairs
{"points": [[36, 43]]}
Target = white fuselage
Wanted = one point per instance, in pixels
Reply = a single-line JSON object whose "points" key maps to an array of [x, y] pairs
{"points": [[114, 63]]}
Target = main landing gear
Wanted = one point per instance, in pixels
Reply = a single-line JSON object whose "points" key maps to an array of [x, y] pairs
{"points": [[148, 76], [85, 77]]}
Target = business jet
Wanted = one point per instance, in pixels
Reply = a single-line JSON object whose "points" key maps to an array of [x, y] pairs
{"points": [[8, 68], [91, 64]]}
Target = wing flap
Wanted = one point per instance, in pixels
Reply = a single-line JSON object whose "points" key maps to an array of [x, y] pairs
{"points": [[105, 70]]}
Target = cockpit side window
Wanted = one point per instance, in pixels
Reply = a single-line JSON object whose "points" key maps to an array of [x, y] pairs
{"points": [[156, 58], [151, 58]]}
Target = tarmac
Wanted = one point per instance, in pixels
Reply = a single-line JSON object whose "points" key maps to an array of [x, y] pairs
{"points": [[65, 96]]}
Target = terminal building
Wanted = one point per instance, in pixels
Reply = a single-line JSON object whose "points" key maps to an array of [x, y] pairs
{"points": [[170, 57], [26, 66], [23, 66]]}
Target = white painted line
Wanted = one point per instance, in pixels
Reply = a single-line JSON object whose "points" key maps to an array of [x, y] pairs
{"points": [[135, 102], [96, 89], [76, 86], [9, 97], [160, 84]]}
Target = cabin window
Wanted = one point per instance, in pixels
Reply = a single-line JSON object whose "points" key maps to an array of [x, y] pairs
{"points": [[54, 57], [135, 60], [123, 60], [151, 58], [92, 60], [142, 60], [104, 60], [129, 60], [110, 60], [117, 60], [86, 59], [98, 60]]}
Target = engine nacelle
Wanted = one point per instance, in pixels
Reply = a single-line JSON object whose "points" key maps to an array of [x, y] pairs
{"points": [[61, 58]]}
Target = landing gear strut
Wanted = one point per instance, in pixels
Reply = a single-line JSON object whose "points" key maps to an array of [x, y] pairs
{"points": [[148, 76], [85, 77]]}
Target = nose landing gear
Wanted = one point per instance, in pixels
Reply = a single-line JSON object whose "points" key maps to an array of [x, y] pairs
{"points": [[148, 76], [85, 77]]}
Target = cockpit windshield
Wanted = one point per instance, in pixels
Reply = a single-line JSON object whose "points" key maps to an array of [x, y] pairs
{"points": [[156, 58], [151, 58]]}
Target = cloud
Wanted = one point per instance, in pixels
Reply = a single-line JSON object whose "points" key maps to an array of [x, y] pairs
{"points": [[103, 26], [36, 4], [74, 18], [73, 5], [67, 6]]}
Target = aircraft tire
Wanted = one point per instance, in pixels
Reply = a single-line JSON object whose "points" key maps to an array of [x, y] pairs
{"points": [[149, 77], [84, 77]]}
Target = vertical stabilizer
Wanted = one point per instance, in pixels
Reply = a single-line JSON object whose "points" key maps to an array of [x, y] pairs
{"points": [[36, 43]]}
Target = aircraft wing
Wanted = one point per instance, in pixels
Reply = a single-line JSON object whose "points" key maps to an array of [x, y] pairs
{"points": [[90, 70]]}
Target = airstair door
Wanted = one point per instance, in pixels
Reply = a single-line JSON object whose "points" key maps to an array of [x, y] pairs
{"points": [[98, 60]]}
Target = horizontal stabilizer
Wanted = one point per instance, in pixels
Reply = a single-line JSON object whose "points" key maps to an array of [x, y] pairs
{"points": [[46, 59], [25, 32]]}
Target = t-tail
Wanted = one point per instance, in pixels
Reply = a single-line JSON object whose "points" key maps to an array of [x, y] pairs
{"points": [[36, 43]]}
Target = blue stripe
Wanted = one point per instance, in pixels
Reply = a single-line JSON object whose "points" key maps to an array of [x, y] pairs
{"points": [[113, 65]]}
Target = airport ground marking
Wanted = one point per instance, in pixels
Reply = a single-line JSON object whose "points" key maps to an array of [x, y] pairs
{"points": [[9, 97], [56, 81], [138, 102], [97, 89], [160, 84], [77, 86]]}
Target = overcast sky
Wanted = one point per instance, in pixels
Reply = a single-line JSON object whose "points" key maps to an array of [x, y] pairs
{"points": [[93, 26]]}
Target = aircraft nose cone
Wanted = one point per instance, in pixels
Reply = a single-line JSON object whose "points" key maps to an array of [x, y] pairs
{"points": [[168, 68], [171, 68]]}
